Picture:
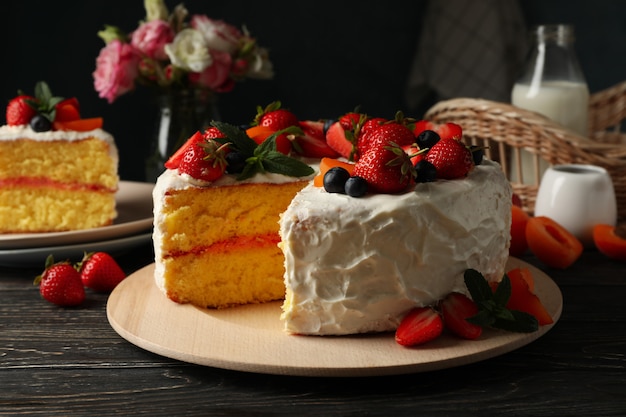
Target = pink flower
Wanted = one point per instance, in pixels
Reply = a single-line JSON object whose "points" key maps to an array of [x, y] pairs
{"points": [[150, 38], [116, 70], [217, 75], [219, 35]]}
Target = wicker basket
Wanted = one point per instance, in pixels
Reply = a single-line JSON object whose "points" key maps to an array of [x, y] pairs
{"points": [[506, 130]]}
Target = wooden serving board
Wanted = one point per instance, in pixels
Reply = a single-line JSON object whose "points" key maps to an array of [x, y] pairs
{"points": [[250, 338]]}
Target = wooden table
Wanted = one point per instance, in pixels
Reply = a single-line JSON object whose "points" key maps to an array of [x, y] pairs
{"points": [[56, 361]]}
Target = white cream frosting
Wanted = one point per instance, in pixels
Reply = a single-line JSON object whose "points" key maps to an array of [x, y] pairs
{"points": [[356, 265], [8, 133]]}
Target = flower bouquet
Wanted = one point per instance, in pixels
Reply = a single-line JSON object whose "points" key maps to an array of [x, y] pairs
{"points": [[166, 52], [186, 60]]}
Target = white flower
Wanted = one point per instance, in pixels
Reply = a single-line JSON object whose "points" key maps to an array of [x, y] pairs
{"points": [[219, 35], [189, 51]]}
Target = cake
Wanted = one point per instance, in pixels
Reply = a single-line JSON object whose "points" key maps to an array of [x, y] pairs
{"points": [[216, 240], [340, 260], [356, 265], [58, 172]]}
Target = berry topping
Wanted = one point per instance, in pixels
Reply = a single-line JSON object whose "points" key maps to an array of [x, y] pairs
{"points": [[356, 186], [385, 168], [425, 171], [451, 158], [335, 180], [21, 110], [45, 112], [427, 139], [39, 123]]}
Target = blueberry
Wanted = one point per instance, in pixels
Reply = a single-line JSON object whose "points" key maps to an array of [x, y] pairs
{"points": [[427, 139], [356, 186], [328, 123], [335, 179], [235, 162], [40, 123], [477, 154], [426, 172]]}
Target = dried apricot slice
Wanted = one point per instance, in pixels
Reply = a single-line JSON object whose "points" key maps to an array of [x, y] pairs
{"points": [[519, 219], [551, 243], [610, 240], [328, 163]]}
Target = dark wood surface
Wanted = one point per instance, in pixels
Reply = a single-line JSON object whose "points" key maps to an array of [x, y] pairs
{"points": [[61, 362]]}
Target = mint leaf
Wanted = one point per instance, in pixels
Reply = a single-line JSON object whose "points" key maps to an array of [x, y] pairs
{"points": [[264, 157], [478, 286], [503, 291], [278, 163], [235, 135], [521, 322], [492, 310]]}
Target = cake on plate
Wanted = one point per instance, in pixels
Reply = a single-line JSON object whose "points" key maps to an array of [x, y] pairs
{"points": [[216, 220], [58, 171]]}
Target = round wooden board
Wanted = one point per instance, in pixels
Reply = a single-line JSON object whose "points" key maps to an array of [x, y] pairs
{"points": [[250, 338]]}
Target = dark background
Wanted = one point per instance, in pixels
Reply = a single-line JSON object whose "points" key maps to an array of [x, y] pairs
{"points": [[328, 56]]}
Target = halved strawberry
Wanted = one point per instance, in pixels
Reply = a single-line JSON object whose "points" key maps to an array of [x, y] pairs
{"points": [[456, 308], [174, 161], [313, 141], [450, 130], [67, 110], [339, 140], [419, 326], [422, 125], [413, 151]]}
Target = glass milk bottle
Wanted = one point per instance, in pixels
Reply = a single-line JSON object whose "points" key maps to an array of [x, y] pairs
{"points": [[552, 83]]}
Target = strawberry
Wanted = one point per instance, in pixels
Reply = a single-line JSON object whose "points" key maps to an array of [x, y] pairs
{"points": [[364, 135], [450, 130], [456, 308], [349, 121], [341, 141], [419, 326], [312, 143], [60, 284], [390, 132], [384, 167], [174, 161], [277, 118], [422, 125], [19, 111], [451, 158], [67, 110], [100, 272], [205, 160], [413, 151]]}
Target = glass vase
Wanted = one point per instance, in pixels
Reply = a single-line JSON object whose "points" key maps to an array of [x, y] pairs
{"points": [[182, 112]]}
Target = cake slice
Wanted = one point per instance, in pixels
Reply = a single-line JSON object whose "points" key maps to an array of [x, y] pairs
{"points": [[216, 238], [58, 172]]}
